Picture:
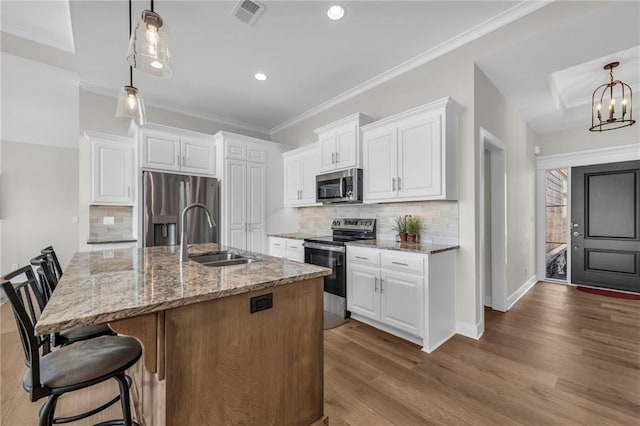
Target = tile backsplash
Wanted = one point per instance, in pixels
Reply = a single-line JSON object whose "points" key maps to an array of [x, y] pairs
{"points": [[122, 227], [439, 218]]}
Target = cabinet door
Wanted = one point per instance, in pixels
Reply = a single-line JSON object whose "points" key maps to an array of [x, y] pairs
{"points": [[160, 151], [112, 174], [236, 208], [363, 297], [309, 170], [198, 156], [402, 301], [380, 164], [256, 227], [327, 143], [420, 158], [292, 174], [346, 146]]}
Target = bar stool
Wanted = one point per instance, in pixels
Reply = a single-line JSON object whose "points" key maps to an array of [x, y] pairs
{"points": [[73, 367], [53, 261], [45, 269]]}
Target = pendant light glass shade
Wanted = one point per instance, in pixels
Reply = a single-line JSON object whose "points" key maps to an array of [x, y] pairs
{"points": [[148, 46], [131, 105]]}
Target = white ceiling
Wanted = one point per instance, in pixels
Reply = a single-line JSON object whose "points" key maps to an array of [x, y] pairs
{"points": [[311, 60]]}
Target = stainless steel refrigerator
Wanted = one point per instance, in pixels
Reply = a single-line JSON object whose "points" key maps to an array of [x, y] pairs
{"points": [[165, 195]]}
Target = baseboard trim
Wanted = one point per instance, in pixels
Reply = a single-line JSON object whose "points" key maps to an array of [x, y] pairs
{"points": [[473, 331], [524, 288]]}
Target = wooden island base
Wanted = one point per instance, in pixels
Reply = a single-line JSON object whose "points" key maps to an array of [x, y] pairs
{"points": [[216, 363]]}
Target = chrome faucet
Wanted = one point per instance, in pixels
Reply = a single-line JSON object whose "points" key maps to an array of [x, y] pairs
{"points": [[184, 255]]}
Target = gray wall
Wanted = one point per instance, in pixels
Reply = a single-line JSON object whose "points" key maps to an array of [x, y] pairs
{"points": [[581, 139], [39, 189], [98, 113], [503, 122], [449, 75]]}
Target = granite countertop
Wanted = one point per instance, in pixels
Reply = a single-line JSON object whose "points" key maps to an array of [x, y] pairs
{"points": [[111, 241], [425, 248], [296, 235], [99, 286]]}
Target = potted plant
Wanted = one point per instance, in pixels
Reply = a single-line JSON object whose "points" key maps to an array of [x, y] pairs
{"points": [[400, 225], [413, 228]]}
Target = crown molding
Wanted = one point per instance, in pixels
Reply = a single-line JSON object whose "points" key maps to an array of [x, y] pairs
{"points": [[101, 90], [516, 12], [614, 154]]}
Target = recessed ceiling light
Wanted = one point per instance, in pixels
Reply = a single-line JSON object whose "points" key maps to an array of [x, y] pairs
{"points": [[260, 76], [335, 12]]}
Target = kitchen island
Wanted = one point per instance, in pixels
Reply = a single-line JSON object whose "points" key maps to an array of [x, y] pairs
{"points": [[222, 345]]}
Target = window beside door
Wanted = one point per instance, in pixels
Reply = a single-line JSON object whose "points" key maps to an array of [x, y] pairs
{"points": [[556, 224]]}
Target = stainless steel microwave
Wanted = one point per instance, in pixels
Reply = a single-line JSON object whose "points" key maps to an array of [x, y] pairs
{"points": [[339, 187]]}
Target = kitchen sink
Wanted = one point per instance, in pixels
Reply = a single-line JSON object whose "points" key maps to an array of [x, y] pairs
{"points": [[224, 258]]}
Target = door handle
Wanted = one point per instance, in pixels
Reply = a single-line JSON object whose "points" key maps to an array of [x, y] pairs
{"points": [[336, 158], [399, 183], [577, 234], [393, 184], [375, 285], [381, 289], [333, 158]]}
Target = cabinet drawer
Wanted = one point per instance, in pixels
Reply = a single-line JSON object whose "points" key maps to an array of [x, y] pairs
{"points": [[363, 256], [295, 250], [403, 262], [277, 246]]}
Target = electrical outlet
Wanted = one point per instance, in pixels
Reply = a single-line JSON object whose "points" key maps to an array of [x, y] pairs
{"points": [[108, 220]]}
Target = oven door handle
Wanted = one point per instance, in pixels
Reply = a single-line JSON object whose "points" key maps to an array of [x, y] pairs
{"points": [[309, 245]]}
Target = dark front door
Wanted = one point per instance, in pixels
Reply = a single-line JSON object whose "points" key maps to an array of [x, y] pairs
{"points": [[605, 225]]}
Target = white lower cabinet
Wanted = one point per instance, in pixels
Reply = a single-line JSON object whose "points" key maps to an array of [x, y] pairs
{"points": [[289, 248], [406, 294], [362, 290]]}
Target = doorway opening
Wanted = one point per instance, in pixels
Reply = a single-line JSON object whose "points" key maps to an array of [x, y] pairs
{"points": [[493, 222], [556, 224]]}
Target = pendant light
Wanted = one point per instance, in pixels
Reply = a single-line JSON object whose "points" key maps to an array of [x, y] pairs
{"points": [[130, 101], [148, 46], [617, 98]]}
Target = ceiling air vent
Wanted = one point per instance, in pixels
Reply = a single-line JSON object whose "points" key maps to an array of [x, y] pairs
{"points": [[248, 11]]}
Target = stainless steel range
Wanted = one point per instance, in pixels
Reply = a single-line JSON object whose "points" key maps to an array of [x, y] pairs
{"points": [[330, 252]]}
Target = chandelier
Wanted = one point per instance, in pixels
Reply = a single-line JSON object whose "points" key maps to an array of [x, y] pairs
{"points": [[617, 98]]}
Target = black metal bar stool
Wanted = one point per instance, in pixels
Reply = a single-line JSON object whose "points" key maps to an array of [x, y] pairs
{"points": [[45, 269], [72, 367]]}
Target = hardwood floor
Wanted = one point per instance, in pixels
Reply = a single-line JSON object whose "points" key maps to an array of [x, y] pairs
{"points": [[559, 356]]}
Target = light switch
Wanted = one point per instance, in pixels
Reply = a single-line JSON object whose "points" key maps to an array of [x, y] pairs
{"points": [[108, 220]]}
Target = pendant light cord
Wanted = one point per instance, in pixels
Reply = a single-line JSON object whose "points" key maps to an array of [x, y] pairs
{"points": [[130, 67], [152, 6]]}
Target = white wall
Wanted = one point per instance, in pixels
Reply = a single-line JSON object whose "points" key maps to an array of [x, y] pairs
{"points": [[39, 189], [582, 139]]}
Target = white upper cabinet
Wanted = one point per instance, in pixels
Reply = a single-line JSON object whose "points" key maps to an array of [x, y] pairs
{"points": [[300, 169], [412, 156], [339, 143], [112, 160], [175, 150]]}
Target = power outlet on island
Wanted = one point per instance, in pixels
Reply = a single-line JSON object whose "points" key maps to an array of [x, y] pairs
{"points": [[108, 220]]}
